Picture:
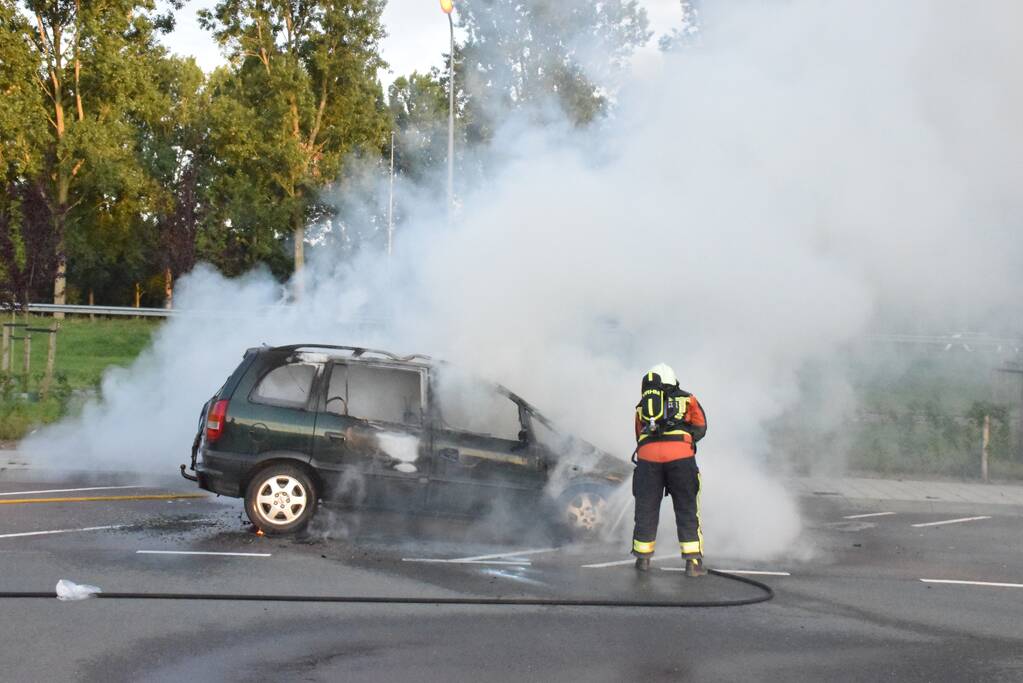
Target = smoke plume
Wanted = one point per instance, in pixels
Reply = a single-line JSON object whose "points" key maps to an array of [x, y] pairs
{"points": [[755, 202]]}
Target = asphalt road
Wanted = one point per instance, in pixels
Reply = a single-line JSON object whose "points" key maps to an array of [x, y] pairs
{"points": [[856, 609]]}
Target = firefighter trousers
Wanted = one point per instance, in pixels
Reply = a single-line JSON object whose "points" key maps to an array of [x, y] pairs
{"points": [[681, 479]]}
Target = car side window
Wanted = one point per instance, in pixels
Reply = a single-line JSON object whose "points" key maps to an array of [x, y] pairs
{"points": [[383, 394], [467, 405], [287, 386]]}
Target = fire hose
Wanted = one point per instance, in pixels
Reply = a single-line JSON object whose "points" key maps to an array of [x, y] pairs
{"points": [[766, 594]]}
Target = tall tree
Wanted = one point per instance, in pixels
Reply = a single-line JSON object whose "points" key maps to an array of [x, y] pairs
{"points": [[419, 106], [96, 60], [23, 228], [304, 81], [530, 52], [175, 150], [687, 33]]}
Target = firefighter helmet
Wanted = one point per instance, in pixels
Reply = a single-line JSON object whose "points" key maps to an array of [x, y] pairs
{"points": [[665, 372]]}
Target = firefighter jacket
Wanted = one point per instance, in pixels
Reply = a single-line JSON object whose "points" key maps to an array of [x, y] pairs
{"points": [[677, 438]]}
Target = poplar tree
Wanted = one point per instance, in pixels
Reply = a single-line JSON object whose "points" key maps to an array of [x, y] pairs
{"points": [[527, 53], [300, 95], [95, 62], [22, 133]]}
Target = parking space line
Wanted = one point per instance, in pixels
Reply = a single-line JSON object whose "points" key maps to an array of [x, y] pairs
{"points": [[752, 572], [434, 560], [198, 552], [494, 558], [84, 499], [62, 531], [869, 514], [952, 521], [518, 553], [618, 563], [88, 488], [975, 583]]}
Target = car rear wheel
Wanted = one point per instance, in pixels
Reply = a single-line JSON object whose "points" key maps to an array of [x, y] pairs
{"points": [[281, 499], [584, 510]]}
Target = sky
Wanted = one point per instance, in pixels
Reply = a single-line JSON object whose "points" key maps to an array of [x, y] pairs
{"points": [[417, 34]]}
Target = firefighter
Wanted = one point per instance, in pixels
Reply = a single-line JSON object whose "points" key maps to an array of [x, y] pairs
{"points": [[669, 422]]}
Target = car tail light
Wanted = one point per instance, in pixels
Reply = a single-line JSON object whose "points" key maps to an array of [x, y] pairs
{"points": [[216, 420]]}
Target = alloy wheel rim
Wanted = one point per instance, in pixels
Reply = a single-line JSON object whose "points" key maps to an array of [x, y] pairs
{"points": [[281, 499], [586, 510]]}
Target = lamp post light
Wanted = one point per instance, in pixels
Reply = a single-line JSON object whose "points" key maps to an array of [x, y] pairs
{"points": [[447, 6]]}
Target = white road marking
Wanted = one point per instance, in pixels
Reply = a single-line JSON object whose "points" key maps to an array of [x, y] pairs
{"points": [[618, 563], [62, 531], [754, 572], [503, 573], [869, 514], [198, 552], [495, 558], [975, 583], [952, 521], [518, 563], [88, 488]]}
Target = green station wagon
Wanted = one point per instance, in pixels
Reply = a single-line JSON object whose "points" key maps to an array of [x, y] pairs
{"points": [[297, 425]]}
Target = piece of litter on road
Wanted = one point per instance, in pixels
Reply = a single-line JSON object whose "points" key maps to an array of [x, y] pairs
{"points": [[69, 590]]}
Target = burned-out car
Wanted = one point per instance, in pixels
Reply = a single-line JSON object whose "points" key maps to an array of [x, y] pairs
{"points": [[296, 425]]}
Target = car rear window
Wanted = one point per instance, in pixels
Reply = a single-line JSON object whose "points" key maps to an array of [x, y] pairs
{"points": [[376, 393], [287, 385]]}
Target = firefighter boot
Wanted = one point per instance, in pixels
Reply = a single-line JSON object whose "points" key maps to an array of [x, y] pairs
{"points": [[694, 567], [643, 563]]}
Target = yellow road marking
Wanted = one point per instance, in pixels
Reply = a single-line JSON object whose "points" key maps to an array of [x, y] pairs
{"points": [[85, 499]]}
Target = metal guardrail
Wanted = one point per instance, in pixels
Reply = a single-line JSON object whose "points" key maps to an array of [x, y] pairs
{"points": [[967, 341], [75, 309], [97, 310], [964, 341]]}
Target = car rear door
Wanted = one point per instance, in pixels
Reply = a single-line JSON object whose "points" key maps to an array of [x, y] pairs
{"points": [[272, 410], [369, 440]]}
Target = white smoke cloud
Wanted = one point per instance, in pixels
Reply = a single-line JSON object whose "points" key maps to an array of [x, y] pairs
{"points": [[751, 206]]}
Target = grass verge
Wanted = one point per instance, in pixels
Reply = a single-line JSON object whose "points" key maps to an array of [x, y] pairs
{"points": [[85, 350]]}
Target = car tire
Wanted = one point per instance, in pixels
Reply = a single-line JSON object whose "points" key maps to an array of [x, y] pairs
{"points": [[281, 499], [584, 511]]}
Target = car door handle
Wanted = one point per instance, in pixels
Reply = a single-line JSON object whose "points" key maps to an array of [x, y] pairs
{"points": [[335, 436], [449, 454]]}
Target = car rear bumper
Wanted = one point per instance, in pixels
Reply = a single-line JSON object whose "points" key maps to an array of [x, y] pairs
{"points": [[220, 472]]}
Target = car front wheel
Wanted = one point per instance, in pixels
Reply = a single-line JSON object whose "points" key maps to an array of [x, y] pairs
{"points": [[584, 511], [280, 499]]}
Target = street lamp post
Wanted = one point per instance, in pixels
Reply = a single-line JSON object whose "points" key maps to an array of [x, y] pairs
{"points": [[447, 6], [390, 202]]}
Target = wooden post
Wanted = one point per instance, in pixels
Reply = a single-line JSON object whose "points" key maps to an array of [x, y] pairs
{"points": [[168, 288], [5, 350], [27, 360], [51, 358], [985, 443], [138, 296], [92, 302]]}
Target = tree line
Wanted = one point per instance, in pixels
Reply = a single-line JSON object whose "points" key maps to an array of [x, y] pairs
{"points": [[123, 164]]}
